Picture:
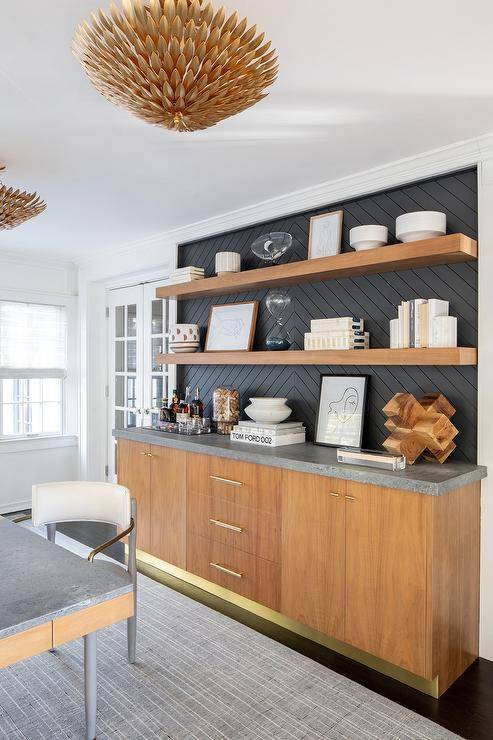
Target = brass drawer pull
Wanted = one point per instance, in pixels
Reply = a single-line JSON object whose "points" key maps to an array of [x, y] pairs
{"points": [[336, 495], [226, 570], [351, 498], [226, 480], [225, 525]]}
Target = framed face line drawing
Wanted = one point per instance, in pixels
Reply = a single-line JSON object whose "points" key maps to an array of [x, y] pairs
{"points": [[231, 327], [341, 410], [325, 235]]}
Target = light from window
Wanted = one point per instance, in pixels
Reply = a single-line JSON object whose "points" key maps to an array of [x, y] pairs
{"points": [[31, 406], [32, 369]]}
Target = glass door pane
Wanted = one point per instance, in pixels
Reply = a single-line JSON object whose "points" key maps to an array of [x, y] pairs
{"points": [[125, 364], [156, 375]]}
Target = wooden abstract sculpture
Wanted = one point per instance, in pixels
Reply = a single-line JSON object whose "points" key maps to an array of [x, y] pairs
{"points": [[419, 427], [17, 206], [176, 63]]}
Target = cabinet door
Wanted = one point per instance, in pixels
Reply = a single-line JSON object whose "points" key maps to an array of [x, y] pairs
{"points": [[313, 551], [386, 546], [134, 473], [168, 504]]}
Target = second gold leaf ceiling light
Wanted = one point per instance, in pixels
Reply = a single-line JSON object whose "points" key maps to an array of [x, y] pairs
{"points": [[176, 63]]}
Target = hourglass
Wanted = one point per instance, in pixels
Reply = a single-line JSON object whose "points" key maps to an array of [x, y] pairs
{"points": [[277, 302]]}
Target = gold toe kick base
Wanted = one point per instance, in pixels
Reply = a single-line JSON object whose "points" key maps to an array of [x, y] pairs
{"points": [[159, 569]]}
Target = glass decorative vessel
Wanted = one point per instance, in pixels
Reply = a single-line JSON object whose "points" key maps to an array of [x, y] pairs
{"points": [[271, 247], [278, 302], [225, 409]]}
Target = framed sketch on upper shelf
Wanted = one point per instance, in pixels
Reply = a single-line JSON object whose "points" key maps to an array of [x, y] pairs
{"points": [[325, 235], [231, 327], [341, 410]]}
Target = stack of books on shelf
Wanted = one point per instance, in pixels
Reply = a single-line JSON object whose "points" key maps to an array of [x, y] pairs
{"points": [[423, 323], [345, 332], [186, 274], [269, 435]]}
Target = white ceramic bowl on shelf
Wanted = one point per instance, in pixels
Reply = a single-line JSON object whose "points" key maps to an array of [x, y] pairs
{"points": [[268, 410], [368, 237], [411, 227]]}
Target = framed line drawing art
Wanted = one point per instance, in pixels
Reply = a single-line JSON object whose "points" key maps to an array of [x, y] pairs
{"points": [[325, 235], [341, 410], [231, 327]]}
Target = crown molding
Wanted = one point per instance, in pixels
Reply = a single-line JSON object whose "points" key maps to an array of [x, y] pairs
{"points": [[427, 164]]}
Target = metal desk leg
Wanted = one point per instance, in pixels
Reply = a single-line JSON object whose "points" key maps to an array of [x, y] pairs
{"points": [[90, 678]]}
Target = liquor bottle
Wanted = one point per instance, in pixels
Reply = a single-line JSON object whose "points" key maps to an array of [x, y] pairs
{"points": [[197, 407], [176, 401], [184, 408], [163, 411], [171, 412]]}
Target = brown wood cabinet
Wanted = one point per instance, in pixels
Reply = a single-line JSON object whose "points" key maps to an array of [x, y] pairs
{"points": [[134, 472], [169, 505], [156, 477], [313, 551], [390, 572], [386, 574], [256, 578]]}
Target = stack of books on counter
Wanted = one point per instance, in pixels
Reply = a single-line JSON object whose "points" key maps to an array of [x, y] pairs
{"points": [[423, 323], [269, 435], [186, 274], [345, 332]]}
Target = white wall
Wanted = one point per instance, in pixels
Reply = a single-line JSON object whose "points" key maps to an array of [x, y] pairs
{"points": [[133, 259], [25, 462]]}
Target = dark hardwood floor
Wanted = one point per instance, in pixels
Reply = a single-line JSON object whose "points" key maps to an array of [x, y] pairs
{"points": [[465, 709]]}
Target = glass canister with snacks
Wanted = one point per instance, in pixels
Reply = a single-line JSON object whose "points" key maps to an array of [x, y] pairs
{"points": [[225, 409]]}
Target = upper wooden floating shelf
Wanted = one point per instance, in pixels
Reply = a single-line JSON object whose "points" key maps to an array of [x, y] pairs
{"points": [[379, 356], [439, 251]]}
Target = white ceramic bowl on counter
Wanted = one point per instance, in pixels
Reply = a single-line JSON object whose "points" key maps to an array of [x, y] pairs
{"points": [[368, 237], [268, 410], [412, 227]]}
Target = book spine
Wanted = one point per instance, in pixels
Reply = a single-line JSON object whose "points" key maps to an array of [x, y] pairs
{"points": [[412, 320], [267, 440], [338, 324], [337, 342], [276, 434], [394, 334]]}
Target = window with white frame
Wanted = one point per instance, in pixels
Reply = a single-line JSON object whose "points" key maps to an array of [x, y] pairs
{"points": [[33, 366]]}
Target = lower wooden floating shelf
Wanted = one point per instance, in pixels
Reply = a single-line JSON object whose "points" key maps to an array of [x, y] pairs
{"points": [[381, 356]]}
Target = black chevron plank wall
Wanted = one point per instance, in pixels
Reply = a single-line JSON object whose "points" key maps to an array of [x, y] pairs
{"points": [[374, 297]]}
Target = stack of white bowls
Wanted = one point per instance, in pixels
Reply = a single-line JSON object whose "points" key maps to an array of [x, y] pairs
{"points": [[412, 227], [184, 338]]}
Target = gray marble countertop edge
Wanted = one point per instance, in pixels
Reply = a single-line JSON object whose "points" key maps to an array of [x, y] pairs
{"points": [[372, 476], [35, 622]]}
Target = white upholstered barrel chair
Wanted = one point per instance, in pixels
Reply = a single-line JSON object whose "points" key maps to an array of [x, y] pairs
{"points": [[83, 501]]}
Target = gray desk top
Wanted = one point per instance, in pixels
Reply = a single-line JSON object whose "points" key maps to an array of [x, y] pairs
{"points": [[42, 581], [429, 478]]}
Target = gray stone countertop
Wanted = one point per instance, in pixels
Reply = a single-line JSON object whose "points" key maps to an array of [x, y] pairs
{"points": [[42, 581], [429, 478]]}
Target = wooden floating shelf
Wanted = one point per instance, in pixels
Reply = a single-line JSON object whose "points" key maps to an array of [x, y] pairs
{"points": [[424, 356], [439, 251]]}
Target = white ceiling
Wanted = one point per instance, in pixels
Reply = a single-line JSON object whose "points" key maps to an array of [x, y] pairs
{"points": [[361, 84]]}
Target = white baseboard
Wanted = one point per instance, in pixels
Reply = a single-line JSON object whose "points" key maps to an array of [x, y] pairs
{"points": [[15, 506]]}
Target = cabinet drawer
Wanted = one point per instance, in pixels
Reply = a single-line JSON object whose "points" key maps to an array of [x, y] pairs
{"points": [[251, 530], [238, 571], [256, 486]]}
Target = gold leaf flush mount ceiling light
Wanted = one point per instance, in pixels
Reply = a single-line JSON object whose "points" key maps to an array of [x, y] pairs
{"points": [[17, 206], [176, 63]]}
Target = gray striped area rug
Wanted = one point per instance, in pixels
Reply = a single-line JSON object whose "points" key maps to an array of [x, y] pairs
{"points": [[199, 675]]}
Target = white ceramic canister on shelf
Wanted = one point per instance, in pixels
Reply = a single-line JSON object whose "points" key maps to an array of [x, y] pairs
{"points": [[228, 262]]}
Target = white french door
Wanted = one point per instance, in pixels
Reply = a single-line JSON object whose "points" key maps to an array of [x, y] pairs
{"points": [[137, 383]]}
